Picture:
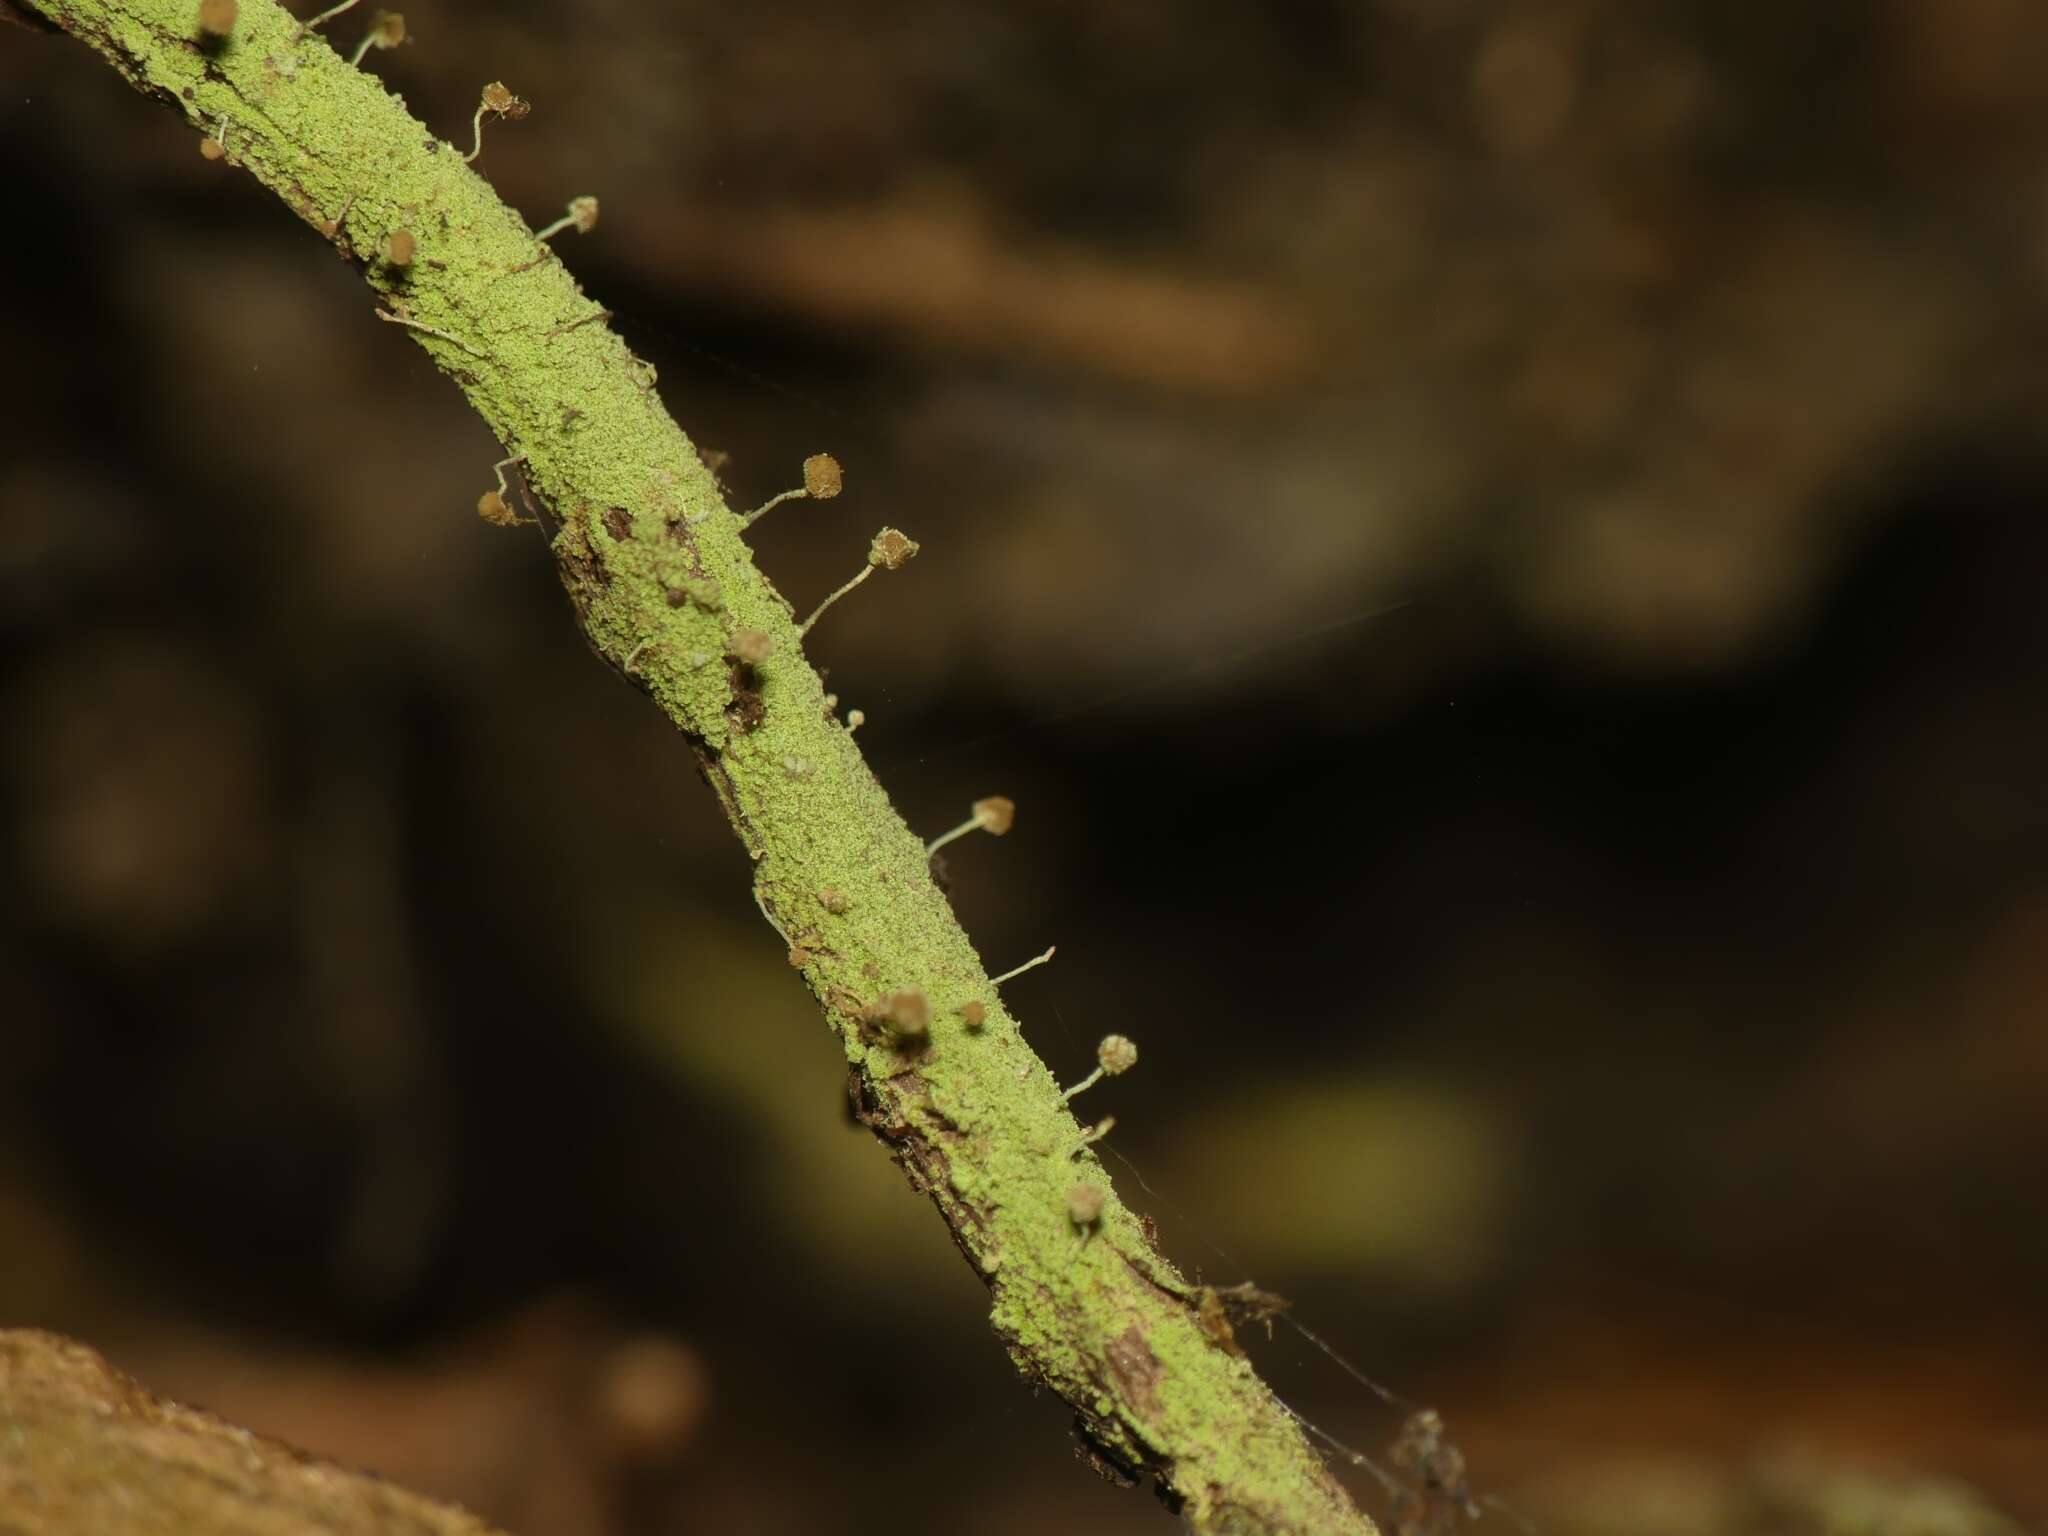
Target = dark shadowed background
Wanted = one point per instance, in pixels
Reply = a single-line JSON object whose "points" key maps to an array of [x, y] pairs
{"points": [[1497, 546]]}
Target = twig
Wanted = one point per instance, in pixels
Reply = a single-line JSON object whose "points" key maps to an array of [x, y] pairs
{"points": [[1154, 1394]]}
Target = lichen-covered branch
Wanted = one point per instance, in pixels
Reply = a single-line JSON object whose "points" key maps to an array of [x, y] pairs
{"points": [[84, 1449], [667, 591]]}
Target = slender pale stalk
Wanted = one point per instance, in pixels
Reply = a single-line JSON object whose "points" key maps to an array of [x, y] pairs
{"points": [[1028, 965], [315, 23], [770, 505], [817, 613]]}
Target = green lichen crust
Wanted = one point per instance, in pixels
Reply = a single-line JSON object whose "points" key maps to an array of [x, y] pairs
{"points": [[663, 583]]}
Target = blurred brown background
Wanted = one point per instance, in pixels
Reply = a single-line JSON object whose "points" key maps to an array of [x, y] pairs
{"points": [[1498, 548]]}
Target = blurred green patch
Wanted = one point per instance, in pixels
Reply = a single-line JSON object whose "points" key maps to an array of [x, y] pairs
{"points": [[1401, 1179]]}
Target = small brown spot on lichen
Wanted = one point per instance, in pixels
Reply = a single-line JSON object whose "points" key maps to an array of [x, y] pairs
{"points": [[618, 522], [752, 646], [835, 901], [974, 1014], [1136, 1369]]}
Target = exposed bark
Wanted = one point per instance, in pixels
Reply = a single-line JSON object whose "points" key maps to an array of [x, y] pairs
{"points": [[667, 591]]}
